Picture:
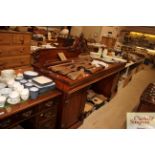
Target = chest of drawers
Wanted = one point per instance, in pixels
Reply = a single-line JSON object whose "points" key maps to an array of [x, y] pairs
{"points": [[14, 49]]}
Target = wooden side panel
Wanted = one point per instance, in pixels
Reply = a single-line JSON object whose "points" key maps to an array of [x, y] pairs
{"points": [[72, 109]]}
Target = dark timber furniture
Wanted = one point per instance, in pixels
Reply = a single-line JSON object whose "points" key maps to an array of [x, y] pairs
{"points": [[70, 111], [38, 113]]}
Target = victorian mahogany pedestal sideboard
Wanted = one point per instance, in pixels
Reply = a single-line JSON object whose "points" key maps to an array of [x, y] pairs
{"points": [[70, 111], [40, 113]]}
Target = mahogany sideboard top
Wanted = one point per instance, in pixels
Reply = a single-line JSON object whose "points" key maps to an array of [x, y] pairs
{"points": [[13, 109], [71, 86]]}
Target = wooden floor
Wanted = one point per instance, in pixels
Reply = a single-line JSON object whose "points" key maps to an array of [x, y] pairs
{"points": [[113, 114]]}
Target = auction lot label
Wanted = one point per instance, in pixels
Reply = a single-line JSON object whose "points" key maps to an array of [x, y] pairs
{"points": [[140, 120]]}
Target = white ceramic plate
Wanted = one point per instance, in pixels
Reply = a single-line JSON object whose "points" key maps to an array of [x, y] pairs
{"points": [[31, 73], [42, 80]]}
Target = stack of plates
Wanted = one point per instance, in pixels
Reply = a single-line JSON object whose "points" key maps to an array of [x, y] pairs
{"points": [[42, 80], [30, 74], [43, 83]]}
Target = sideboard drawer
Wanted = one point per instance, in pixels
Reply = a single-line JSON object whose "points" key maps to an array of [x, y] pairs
{"points": [[47, 115], [6, 51], [5, 39], [27, 114], [50, 124], [8, 122], [48, 105]]}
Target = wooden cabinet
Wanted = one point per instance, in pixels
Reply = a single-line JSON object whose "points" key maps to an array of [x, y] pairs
{"points": [[38, 113], [14, 49], [72, 111], [74, 92]]}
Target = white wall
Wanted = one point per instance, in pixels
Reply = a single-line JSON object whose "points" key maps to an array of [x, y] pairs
{"points": [[114, 29], [76, 30], [92, 32], [96, 32]]}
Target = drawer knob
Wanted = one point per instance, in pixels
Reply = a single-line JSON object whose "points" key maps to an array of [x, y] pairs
{"points": [[41, 115], [27, 114], [49, 104]]}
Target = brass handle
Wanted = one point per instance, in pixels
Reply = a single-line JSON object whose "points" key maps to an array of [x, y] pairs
{"points": [[27, 114], [49, 104], [41, 115]]}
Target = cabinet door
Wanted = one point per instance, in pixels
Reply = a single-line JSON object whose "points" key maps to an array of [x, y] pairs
{"points": [[72, 109]]}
